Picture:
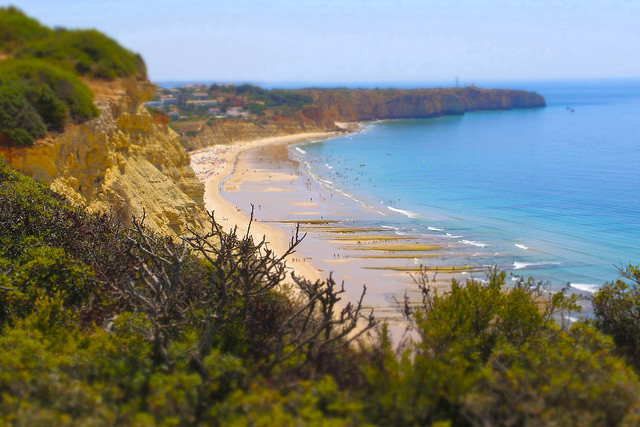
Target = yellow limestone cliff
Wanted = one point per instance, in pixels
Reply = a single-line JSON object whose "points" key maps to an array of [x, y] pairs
{"points": [[122, 161]]}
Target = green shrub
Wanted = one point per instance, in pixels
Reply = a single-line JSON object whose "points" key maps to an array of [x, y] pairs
{"points": [[616, 307], [86, 52], [110, 325], [485, 354], [37, 96], [65, 86], [40, 88], [19, 120], [16, 29]]}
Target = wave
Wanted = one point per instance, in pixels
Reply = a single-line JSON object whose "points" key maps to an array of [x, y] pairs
{"points": [[435, 228], [300, 150], [474, 243], [592, 288], [404, 212], [452, 236], [521, 265], [518, 245], [329, 186], [389, 227], [396, 230]]}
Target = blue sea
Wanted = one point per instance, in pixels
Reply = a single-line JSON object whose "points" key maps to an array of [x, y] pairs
{"points": [[550, 193]]}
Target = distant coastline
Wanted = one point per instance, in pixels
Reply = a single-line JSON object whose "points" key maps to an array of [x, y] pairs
{"points": [[225, 113]]}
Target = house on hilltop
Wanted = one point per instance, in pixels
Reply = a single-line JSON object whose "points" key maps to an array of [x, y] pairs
{"points": [[236, 112], [200, 95], [169, 100]]}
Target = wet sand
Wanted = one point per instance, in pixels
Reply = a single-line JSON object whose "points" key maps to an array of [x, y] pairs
{"points": [[220, 164], [343, 238]]}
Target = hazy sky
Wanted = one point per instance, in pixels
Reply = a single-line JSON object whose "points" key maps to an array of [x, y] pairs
{"points": [[364, 40]]}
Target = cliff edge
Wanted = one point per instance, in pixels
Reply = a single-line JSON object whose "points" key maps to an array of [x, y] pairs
{"points": [[360, 105], [329, 106], [122, 161]]}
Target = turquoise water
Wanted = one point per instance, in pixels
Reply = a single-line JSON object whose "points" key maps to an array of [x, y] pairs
{"points": [[549, 193]]}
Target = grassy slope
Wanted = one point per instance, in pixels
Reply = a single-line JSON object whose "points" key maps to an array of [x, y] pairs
{"points": [[40, 88]]}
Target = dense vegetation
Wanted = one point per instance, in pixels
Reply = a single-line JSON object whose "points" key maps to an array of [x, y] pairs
{"points": [[40, 88], [36, 97], [106, 324], [87, 52], [17, 29], [273, 98]]}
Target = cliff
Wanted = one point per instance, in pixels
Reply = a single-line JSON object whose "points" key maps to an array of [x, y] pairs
{"points": [[359, 105], [227, 131], [122, 161], [354, 105]]}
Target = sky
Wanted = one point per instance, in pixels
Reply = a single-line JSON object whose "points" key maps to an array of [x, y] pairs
{"points": [[326, 41]]}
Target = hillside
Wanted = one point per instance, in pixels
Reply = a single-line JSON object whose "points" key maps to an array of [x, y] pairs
{"points": [[224, 114], [105, 320], [105, 324], [359, 105], [84, 131]]}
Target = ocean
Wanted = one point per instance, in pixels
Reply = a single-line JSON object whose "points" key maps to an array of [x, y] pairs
{"points": [[549, 193]]}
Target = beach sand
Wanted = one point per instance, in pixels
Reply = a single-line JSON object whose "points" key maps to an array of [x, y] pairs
{"points": [[343, 238], [217, 163]]}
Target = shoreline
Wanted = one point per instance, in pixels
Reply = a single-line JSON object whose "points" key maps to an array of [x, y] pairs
{"points": [[344, 237], [216, 166]]}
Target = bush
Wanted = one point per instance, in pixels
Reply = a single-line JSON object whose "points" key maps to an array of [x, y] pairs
{"points": [[16, 29], [485, 354], [106, 324], [40, 88], [37, 96], [255, 108], [616, 307], [86, 52], [19, 120]]}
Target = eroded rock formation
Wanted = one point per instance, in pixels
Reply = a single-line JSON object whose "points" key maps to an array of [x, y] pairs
{"points": [[123, 162]]}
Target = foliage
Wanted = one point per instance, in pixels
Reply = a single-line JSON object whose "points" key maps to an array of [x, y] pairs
{"points": [[106, 324], [150, 328], [484, 354], [255, 108], [271, 98], [19, 120], [16, 29], [616, 307], [86, 52], [37, 96], [39, 88]]}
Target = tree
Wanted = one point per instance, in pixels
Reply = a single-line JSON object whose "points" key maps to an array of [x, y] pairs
{"points": [[616, 307]]}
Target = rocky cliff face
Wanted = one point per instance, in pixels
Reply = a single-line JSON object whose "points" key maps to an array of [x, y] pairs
{"points": [[232, 130], [122, 161], [346, 105], [359, 105]]}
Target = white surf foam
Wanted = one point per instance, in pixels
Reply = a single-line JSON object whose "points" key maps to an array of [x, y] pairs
{"points": [[404, 212], [520, 265], [592, 288], [300, 150], [518, 245], [435, 229], [452, 236], [474, 243]]}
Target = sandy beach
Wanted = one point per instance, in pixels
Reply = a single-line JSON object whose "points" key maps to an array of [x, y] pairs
{"points": [[216, 164], [344, 237]]}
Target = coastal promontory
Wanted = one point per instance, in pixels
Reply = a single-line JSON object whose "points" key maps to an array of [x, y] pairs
{"points": [[246, 112]]}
